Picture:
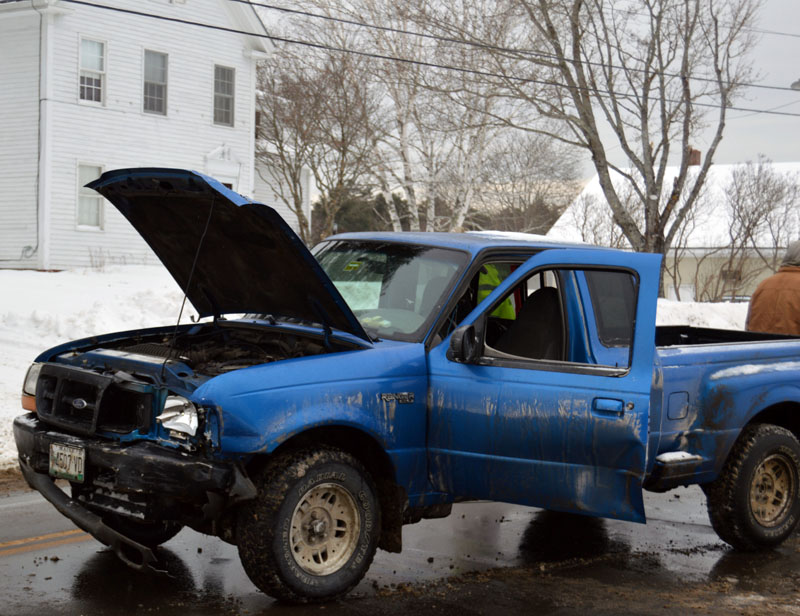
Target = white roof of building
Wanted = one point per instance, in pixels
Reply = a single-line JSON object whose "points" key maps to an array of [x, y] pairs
{"points": [[709, 227]]}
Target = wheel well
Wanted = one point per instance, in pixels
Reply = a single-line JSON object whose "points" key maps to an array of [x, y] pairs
{"points": [[369, 452], [784, 414]]}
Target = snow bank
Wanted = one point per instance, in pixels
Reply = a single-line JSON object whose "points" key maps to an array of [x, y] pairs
{"points": [[724, 315], [41, 309]]}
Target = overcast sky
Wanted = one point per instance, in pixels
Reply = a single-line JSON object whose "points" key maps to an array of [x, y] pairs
{"points": [[777, 61], [777, 58]]}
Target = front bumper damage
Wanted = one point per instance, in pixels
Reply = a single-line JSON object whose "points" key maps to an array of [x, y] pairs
{"points": [[147, 479]]}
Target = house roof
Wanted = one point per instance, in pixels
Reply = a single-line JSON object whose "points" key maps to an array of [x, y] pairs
{"points": [[709, 227], [243, 15], [248, 19]]}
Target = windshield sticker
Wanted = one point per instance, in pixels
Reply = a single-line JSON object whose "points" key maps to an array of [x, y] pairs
{"points": [[352, 266]]}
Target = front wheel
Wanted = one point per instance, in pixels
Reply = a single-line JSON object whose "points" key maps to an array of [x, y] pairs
{"points": [[755, 502], [312, 531]]}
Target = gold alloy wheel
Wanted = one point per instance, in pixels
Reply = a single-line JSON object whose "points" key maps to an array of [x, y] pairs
{"points": [[325, 529], [772, 490]]}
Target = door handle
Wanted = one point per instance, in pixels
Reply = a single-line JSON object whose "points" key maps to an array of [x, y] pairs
{"points": [[608, 406]]}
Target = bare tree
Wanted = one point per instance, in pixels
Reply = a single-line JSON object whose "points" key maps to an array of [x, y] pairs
{"points": [[526, 183], [347, 131], [589, 215], [286, 131], [736, 233], [761, 207], [441, 124], [644, 76], [772, 198]]}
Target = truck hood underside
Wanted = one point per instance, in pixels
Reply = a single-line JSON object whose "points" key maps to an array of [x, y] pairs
{"points": [[228, 254]]}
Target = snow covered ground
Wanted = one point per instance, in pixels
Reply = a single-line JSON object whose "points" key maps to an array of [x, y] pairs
{"points": [[41, 309]]}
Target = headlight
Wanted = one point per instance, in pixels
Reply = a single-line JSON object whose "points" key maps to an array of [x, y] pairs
{"points": [[32, 376], [179, 415]]}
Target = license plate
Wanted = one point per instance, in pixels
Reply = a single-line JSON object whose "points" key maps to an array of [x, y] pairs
{"points": [[67, 462]]}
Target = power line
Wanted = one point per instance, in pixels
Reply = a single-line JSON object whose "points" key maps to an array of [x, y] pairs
{"points": [[377, 56], [748, 115], [774, 32], [460, 41]]}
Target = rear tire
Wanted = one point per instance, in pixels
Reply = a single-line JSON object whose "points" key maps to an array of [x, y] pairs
{"points": [[312, 531], [755, 502]]}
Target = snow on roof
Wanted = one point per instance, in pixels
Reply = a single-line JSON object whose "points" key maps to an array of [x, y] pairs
{"points": [[524, 237], [708, 228]]}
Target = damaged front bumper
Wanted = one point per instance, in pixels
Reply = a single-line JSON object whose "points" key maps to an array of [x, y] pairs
{"points": [[142, 480]]}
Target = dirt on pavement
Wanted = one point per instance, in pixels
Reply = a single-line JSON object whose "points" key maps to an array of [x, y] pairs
{"points": [[11, 481]]}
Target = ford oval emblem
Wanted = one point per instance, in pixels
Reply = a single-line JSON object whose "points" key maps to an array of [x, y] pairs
{"points": [[79, 404]]}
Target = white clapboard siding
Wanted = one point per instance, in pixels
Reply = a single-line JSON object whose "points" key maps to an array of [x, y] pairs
{"points": [[120, 134], [19, 123]]}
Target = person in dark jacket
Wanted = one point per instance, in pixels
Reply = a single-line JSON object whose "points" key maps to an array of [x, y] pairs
{"points": [[775, 306]]}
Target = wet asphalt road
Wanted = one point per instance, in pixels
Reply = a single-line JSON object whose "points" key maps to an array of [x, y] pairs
{"points": [[486, 558]]}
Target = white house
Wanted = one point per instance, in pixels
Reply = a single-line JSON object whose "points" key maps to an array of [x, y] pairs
{"points": [[119, 83]]}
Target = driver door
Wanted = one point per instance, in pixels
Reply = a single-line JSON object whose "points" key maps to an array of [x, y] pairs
{"points": [[564, 426]]}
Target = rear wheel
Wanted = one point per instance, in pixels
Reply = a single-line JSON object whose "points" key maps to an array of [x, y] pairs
{"points": [[312, 531], [755, 502]]}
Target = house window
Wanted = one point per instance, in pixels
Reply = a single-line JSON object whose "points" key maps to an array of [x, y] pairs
{"points": [[223, 95], [730, 274], [155, 82], [93, 67], [90, 204]]}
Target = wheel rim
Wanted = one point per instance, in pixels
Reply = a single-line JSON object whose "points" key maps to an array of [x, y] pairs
{"points": [[325, 529], [772, 490]]}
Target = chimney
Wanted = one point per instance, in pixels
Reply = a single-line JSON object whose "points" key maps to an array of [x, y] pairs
{"points": [[694, 157]]}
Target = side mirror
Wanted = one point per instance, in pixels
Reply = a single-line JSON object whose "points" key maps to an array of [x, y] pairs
{"points": [[463, 345]]}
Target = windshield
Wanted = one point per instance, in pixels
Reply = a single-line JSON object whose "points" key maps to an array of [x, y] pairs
{"points": [[394, 290]]}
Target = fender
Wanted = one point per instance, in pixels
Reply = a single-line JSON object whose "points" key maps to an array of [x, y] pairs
{"points": [[732, 402], [380, 391]]}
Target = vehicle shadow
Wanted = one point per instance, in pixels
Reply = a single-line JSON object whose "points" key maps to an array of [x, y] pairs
{"points": [[553, 537], [105, 582]]}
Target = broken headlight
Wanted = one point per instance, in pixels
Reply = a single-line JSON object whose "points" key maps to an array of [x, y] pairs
{"points": [[179, 417]]}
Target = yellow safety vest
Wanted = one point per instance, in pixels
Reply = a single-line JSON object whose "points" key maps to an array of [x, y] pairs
{"points": [[488, 280]]}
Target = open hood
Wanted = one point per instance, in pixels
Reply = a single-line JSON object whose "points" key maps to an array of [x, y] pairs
{"points": [[246, 259]]}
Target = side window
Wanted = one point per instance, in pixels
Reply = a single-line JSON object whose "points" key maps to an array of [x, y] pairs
{"points": [[90, 203], [155, 82], [223, 95], [536, 329], [613, 296], [565, 315], [92, 71]]}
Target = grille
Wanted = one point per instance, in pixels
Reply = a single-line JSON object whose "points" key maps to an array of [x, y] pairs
{"points": [[85, 402]]}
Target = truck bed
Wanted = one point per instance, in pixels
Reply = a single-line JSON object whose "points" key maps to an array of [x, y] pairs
{"points": [[683, 335]]}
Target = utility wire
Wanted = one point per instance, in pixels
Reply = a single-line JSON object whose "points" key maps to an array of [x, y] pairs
{"points": [[377, 56], [478, 45]]}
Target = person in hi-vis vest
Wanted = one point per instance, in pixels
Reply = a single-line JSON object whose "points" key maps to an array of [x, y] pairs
{"points": [[490, 276]]}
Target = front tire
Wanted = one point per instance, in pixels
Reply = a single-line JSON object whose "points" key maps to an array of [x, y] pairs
{"points": [[312, 531], [755, 502]]}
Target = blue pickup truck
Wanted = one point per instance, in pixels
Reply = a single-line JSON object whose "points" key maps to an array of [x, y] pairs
{"points": [[329, 399]]}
